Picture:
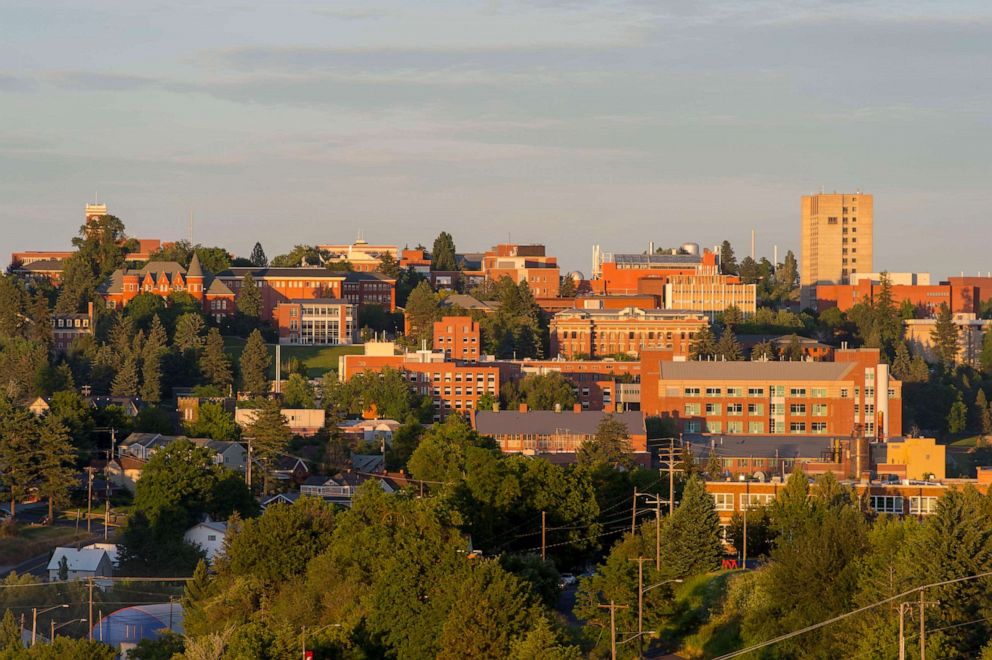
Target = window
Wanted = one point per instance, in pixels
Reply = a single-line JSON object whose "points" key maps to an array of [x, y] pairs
{"points": [[778, 408], [714, 427], [692, 409], [797, 391], [886, 504], [755, 391], [818, 393], [755, 409], [922, 506], [843, 393], [778, 390], [779, 426], [735, 391], [713, 408], [723, 501], [756, 500], [713, 391], [797, 427], [735, 408], [211, 537], [735, 427], [819, 427], [797, 409], [693, 426], [819, 410], [755, 427]]}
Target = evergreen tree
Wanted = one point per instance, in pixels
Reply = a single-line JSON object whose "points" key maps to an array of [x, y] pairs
{"points": [[749, 271], [794, 351], [786, 280], [270, 434], [258, 258], [985, 359], [126, 381], [763, 350], [957, 417], [568, 288], [728, 262], [714, 466], [249, 301], [422, 309], [213, 422], [728, 347], [255, 360], [151, 362], [703, 345], [389, 267], [443, 254], [610, 445], [195, 592], [902, 367], [982, 413], [691, 539], [887, 322], [298, 392], [944, 337], [18, 450], [214, 363], [55, 467], [10, 633], [189, 332]]}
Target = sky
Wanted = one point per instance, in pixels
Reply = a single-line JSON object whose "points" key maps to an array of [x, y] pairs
{"points": [[562, 122]]}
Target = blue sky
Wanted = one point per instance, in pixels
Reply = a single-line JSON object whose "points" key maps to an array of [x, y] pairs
{"points": [[564, 122]]}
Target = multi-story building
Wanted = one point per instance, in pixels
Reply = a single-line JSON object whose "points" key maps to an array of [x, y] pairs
{"points": [[971, 334], [362, 256], [458, 337], [278, 285], [710, 294], [418, 259], [852, 395], [524, 263], [836, 241], [163, 278], [550, 433], [317, 322], [960, 294], [67, 327], [624, 274], [592, 334]]}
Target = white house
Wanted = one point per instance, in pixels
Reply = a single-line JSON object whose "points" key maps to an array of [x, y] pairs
{"points": [[370, 430], [209, 536], [80, 563], [109, 548]]}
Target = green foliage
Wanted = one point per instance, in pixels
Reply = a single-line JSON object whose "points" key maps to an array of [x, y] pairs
{"points": [[539, 392], [21, 363], [67, 648], [298, 393], [270, 434], [213, 422], [387, 393], [422, 309], [255, 361], [10, 632], [610, 446], [443, 254], [728, 348], [300, 255], [703, 345], [957, 417], [728, 262], [944, 337], [214, 363], [691, 539], [101, 248], [441, 454], [517, 328], [249, 299], [258, 258], [55, 470], [189, 332], [568, 288], [163, 648]]}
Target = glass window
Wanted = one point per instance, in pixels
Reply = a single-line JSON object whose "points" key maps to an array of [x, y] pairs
{"points": [[886, 504], [922, 506], [797, 391], [756, 409], [797, 409], [713, 408], [714, 427], [797, 427], [723, 501]]}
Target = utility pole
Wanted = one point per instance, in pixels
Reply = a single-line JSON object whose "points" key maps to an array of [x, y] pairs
{"points": [[544, 517], [657, 530], [747, 507], [248, 465], [668, 461], [902, 625], [640, 604], [612, 607], [90, 587], [633, 514], [89, 497], [923, 632]]}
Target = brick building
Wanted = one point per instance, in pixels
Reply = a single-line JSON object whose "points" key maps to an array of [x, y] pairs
{"points": [[598, 384], [67, 327], [963, 295], [279, 285], [524, 263], [317, 322], [776, 398], [710, 294], [458, 337], [163, 278], [604, 332]]}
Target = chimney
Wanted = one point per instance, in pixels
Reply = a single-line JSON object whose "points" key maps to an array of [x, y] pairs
{"points": [[523, 407], [577, 408]]}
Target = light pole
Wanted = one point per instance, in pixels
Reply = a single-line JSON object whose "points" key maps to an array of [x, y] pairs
{"points": [[62, 625], [34, 620], [640, 604]]}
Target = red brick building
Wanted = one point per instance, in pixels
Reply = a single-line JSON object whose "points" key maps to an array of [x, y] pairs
{"points": [[162, 278], [960, 294], [458, 337], [594, 333], [317, 322], [524, 263]]}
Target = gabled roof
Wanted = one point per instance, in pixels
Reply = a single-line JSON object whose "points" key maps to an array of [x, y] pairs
{"points": [[755, 371], [214, 525], [157, 267], [215, 287], [544, 422], [83, 559]]}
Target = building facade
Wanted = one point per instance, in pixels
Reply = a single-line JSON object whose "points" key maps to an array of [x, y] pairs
{"points": [[524, 263], [971, 335], [836, 241], [362, 256], [593, 334], [317, 322], [710, 294], [458, 337], [67, 327]]}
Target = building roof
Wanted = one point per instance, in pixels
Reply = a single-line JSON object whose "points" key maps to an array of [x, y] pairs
{"points": [[295, 271], [215, 287], [132, 624], [44, 265], [545, 422], [318, 301], [367, 462], [358, 276], [158, 267], [656, 260], [634, 313], [759, 446], [468, 302], [755, 371], [78, 559], [218, 526], [195, 270]]}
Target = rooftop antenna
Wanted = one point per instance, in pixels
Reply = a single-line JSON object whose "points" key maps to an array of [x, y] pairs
{"points": [[191, 226], [752, 244]]}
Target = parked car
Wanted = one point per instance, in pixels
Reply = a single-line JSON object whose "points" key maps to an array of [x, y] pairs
{"points": [[566, 580]]}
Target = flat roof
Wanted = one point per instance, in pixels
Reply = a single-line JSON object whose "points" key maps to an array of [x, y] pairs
{"points": [[755, 371]]}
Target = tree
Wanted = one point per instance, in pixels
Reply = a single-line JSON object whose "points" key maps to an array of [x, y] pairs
{"points": [[165, 647], [944, 337], [55, 471], [568, 288], [269, 433], [389, 267], [794, 351], [255, 360], [10, 633], [189, 332], [703, 345], [126, 381], [151, 362], [298, 392], [18, 429], [957, 417], [214, 363], [983, 413], [749, 271], [728, 347], [443, 254], [542, 642], [258, 258], [249, 301], [985, 358], [714, 466], [213, 422], [546, 392], [610, 446], [691, 540], [422, 309], [763, 350], [728, 262], [101, 248]]}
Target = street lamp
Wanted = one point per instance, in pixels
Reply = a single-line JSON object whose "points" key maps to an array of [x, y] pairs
{"points": [[647, 589], [34, 620], [62, 625]]}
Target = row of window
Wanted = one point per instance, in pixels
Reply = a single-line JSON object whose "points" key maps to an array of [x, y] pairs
{"points": [[893, 504]]}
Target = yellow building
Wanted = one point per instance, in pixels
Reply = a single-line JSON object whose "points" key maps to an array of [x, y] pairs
{"points": [[923, 459], [836, 241]]}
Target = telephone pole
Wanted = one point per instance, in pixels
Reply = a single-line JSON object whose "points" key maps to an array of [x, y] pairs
{"points": [[640, 603], [668, 461], [633, 514], [902, 625], [90, 587], [89, 497], [612, 607], [544, 518], [657, 530]]}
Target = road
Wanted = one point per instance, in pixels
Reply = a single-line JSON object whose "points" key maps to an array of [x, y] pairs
{"points": [[34, 514]]}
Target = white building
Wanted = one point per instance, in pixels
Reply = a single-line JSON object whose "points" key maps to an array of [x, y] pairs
{"points": [[80, 564], [209, 536]]}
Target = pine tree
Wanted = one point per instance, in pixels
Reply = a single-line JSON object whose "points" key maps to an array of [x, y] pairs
{"points": [[957, 418], [902, 366], [258, 258], [126, 381], [298, 393], [214, 363], [189, 332], [985, 359], [983, 413], [56, 474], [269, 433], [443, 254], [728, 347], [703, 345], [422, 309], [151, 362], [691, 539], [389, 267], [10, 633], [794, 351], [18, 469], [255, 360], [195, 593], [714, 466], [249, 300], [763, 350], [728, 262], [944, 337]]}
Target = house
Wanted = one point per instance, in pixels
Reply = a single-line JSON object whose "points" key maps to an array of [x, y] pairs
{"points": [[39, 406], [368, 463], [280, 498], [208, 535], [188, 405], [287, 468], [109, 548], [369, 430], [143, 446], [340, 488], [130, 405], [80, 564], [125, 470]]}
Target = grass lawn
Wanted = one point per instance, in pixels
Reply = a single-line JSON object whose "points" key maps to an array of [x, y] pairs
{"points": [[697, 626], [318, 359], [33, 541]]}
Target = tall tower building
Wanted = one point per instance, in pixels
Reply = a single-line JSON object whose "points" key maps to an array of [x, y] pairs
{"points": [[836, 241]]}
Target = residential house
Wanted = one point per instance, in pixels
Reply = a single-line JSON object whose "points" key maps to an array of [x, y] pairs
{"points": [[80, 564], [209, 536]]}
